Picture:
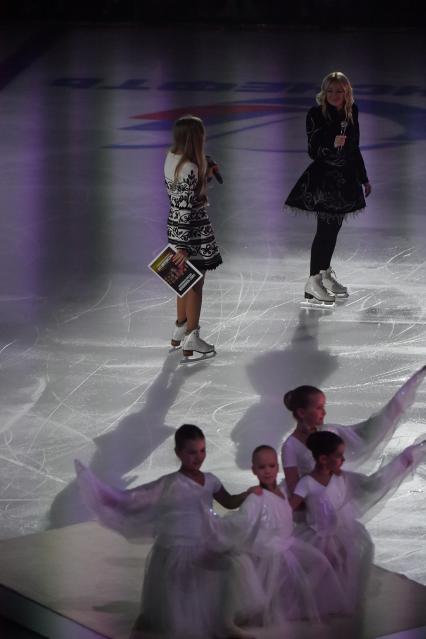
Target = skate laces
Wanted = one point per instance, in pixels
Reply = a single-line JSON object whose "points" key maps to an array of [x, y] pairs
{"points": [[194, 333], [331, 274], [321, 286]]}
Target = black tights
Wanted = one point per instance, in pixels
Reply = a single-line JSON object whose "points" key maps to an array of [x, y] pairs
{"points": [[323, 245]]}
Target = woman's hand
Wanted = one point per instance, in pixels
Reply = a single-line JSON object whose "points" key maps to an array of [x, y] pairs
{"points": [[339, 141], [180, 258], [367, 189], [212, 168]]}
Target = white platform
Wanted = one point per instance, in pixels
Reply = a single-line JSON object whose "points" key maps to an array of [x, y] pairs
{"points": [[84, 582]]}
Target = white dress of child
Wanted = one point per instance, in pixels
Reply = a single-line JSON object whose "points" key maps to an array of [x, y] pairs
{"points": [[291, 572], [332, 512], [188, 591], [365, 440]]}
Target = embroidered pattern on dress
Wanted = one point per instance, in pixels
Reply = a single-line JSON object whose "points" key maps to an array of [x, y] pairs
{"points": [[188, 225]]}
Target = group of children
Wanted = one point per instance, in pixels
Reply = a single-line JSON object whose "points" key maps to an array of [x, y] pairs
{"points": [[264, 564]]}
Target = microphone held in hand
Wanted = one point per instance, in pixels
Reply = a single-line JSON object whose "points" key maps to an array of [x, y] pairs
{"points": [[343, 125], [212, 164]]}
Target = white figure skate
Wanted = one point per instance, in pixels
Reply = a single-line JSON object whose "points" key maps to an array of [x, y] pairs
{"points": [[332, 285], [316, 294], [178, 335], [194, 344]]}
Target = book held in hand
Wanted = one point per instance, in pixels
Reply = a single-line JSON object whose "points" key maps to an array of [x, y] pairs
{"points": [[179, 278]]}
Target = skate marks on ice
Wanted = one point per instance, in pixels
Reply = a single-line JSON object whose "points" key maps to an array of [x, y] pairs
{"points": [[130, 441], [271, 375], [82, 390]]}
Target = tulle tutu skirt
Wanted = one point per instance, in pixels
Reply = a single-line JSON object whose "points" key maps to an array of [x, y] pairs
{"points": [[350, 551], [192, 593], [293, 579]]}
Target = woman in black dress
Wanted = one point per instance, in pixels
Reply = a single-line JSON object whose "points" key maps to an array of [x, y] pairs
{"points": [[334, 184]]}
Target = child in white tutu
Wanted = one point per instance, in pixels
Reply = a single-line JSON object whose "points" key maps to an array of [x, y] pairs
{"points": [[187, 591], [335, 500], [363, 441], [292, 572]]}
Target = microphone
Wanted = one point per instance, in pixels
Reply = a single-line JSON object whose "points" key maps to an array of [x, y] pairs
{"points": [[211, 163], [343, 125]]}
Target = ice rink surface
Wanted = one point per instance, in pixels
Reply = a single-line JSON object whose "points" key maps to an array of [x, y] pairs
{"points": [[85, 327]]}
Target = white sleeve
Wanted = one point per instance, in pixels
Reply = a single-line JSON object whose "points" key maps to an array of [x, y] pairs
{"points": [[215, 482], [130, 512], [289, 455], [371, 492], [237, 530], [372, 434], [302, 487]]}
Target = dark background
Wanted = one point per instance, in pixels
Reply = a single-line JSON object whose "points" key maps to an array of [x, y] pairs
{"points": [[323, 14]]}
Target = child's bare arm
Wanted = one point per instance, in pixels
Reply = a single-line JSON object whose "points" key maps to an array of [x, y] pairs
{"points": [[296, 501], [291, 478], [229, 501]]}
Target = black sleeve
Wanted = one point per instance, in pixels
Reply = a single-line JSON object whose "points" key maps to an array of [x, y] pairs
{"points": [[321, 138], [354, 149]]}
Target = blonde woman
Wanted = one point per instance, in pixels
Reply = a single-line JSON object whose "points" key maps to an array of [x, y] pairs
{"points": [[334, 185], [188, 225]]}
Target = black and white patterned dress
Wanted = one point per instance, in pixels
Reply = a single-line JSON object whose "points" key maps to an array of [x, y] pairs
{"points": [[188, 225]]}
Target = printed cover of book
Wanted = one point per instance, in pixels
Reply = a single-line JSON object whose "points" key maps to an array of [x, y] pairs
{"points": [[179, 278]]}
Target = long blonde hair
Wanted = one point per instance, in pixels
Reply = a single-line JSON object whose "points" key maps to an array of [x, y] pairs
{"points": [[339, 78], [188, 140]]}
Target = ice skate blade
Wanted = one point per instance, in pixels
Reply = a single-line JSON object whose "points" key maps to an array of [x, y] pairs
{"points": [[339, 296], [197, 357], [314, 303]]}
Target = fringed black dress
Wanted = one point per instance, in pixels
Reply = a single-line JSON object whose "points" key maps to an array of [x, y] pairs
{"points": [[331, 186]]}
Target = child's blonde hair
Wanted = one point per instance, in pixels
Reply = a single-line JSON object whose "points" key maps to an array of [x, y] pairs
{"points": [[188, 140], [339, 78]]}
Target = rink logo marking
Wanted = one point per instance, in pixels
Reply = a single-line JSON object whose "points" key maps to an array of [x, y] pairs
{"points": [[410, 119], [240, 116]]}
